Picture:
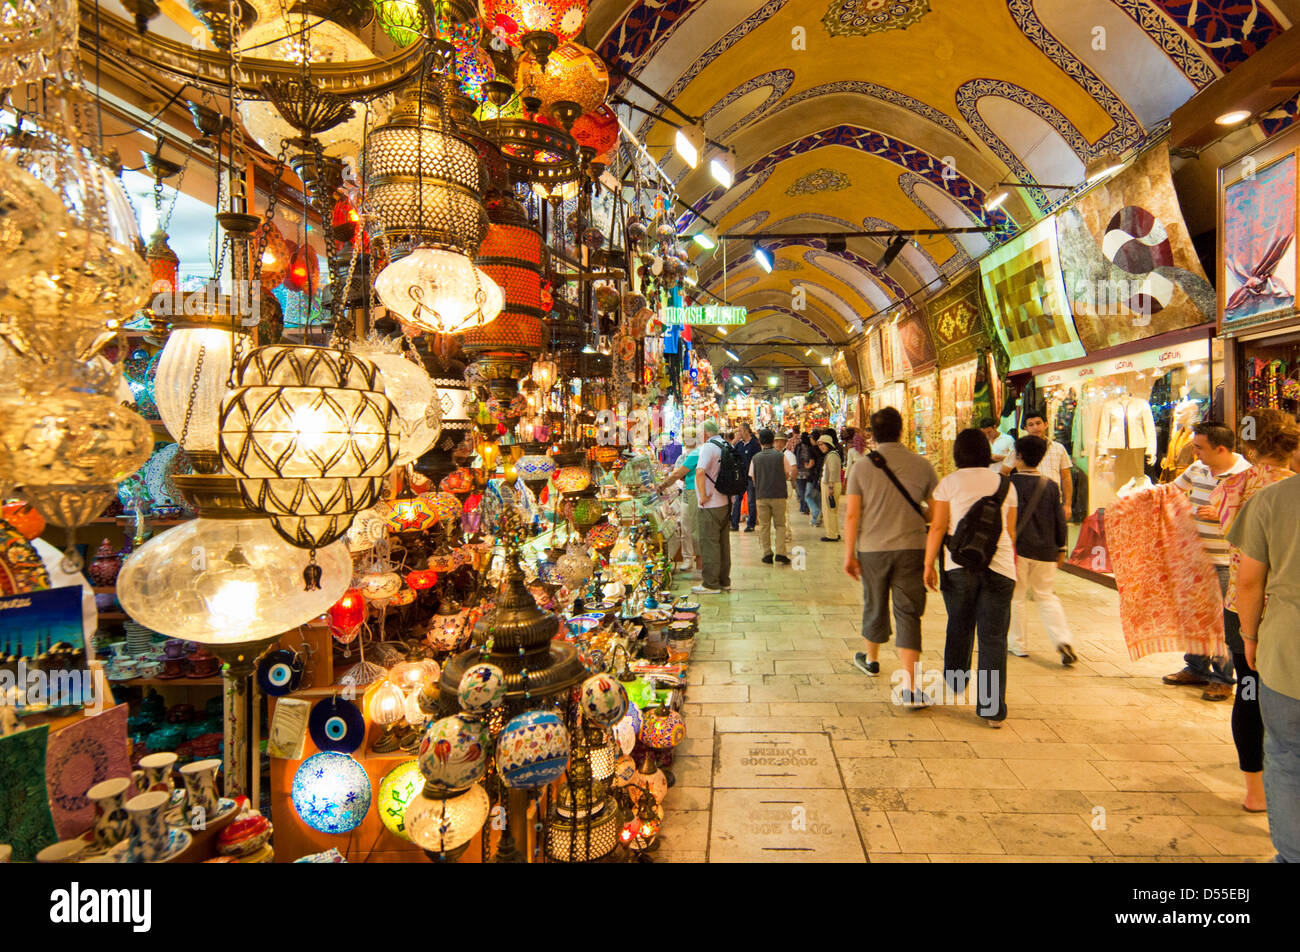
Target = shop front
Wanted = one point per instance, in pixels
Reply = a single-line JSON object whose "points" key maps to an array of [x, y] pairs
{"points": [[1126, 422], [1258, 277]]}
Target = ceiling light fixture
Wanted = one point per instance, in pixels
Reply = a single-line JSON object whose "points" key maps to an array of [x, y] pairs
{"points": [[722, 330], [1235, 117], [1108, 163], [997, 201], [723, 168], [895, 246], [763, 257], [836, 244], [690, 143], [706, 238], [732, 355]]}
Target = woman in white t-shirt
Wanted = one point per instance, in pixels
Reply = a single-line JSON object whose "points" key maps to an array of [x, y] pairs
{"points": [[978, 602]]}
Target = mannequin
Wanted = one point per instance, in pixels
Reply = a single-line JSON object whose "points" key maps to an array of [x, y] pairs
{"points": [[1187, 413], [1127, 434], [1135, 485]]}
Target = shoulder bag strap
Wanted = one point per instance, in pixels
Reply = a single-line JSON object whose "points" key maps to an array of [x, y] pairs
{"points": [[879, 460], [1039, 491]]}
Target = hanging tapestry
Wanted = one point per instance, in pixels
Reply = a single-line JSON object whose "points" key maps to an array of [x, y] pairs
{"points": [[1130, 269], [958, 322], [1025, 294]]}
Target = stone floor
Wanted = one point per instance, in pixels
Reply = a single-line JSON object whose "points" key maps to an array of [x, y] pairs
{"points": [[793, 755]]}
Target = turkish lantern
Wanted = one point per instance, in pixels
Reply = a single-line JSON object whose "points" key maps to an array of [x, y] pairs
{"points": [[347, 614], [598, 130], [304, 270]]}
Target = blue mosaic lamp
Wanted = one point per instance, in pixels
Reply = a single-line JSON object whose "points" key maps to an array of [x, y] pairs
{"points": [[331, 792]]}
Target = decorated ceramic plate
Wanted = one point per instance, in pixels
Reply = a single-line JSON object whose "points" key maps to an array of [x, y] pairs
{"points": [[21, 568], [178, 841]]}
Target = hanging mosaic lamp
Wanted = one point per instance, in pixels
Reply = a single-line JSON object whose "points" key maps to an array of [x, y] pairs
{"points": [[331, 792], [474, 68], [275, 257], [517, 20], [597, 130], [511, 255], [573, 74], [435, 289], [164, 264], [193, 370], [309, 434], [423, 181], [409, 387], [443, 826], [397, 790]]}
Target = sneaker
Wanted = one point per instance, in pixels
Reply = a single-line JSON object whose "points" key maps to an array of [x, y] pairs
{"points": [[783, 559], [704, 590], [735, 528], [915, 700], [749, 528], [1185, 676], [767, 560], [869, 668], [829, 539], [996, 725], [1018, 652], [1068, 657], [1217, 691]]}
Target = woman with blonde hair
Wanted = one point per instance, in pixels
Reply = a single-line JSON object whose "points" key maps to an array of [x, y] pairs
{"points": [[1270, 439]]}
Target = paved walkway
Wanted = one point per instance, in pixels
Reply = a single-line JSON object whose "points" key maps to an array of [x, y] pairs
{"points": [[793, 755]]}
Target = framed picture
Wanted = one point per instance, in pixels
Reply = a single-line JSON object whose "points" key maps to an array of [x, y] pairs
{"points": [[1257, 235]]}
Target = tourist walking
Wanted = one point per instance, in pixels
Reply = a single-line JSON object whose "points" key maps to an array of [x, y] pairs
{"points": [[812, 470], [714, 516], [979, 574], [690, 505], [1270, 440], [803, 453], [1216, 460], [768, 477], [832, 467], [1002, 445], [1056, 462], [747, 447], [1267, 532], [884, 529], [855, 448], [1041, 540]]}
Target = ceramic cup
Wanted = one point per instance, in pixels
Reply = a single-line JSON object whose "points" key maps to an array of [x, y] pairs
{"points": [[157, 769], [64, 851], [201, 788], [174, 649], [148, 669], [148, 826], [111, 821], [122, 668]]}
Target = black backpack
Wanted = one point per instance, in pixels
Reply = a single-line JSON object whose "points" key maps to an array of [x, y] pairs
{"points": [[975, 540], [732, 479]]}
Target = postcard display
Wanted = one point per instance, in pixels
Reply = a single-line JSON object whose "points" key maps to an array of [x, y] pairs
{"points": [[1258, 213]]}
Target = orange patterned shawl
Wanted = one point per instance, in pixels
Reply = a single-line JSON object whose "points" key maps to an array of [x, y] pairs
{"points": [[1168, 589]]}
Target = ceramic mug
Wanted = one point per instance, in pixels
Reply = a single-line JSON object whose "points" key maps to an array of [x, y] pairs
{"points": [[157, 772], [111, 821], [122, 668], [148, 669], [174, 649], [201, 788], [148, 826], [64, 851]]}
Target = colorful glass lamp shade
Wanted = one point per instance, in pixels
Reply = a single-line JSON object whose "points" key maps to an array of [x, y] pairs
{"points": [[331, 793], [399, 788], [435, 289], [309, 434], [443, 826], [573, 74], [412, 392], [512, 20]]}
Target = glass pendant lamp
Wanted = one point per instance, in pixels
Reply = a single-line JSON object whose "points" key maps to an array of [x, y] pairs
{"points": [[192, 375]]}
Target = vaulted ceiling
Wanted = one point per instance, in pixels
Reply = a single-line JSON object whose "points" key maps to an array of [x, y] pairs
{"points": [[877, 114]]}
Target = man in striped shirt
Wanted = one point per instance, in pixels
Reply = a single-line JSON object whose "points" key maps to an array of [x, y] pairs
{"points": [[1215, 462]]}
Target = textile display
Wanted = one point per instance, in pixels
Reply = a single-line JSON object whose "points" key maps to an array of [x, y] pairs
{"points": [[85, 752], [1259, 255], [1169, 596], [876, 357], [1228, 499], [913, 349], [1131, 271], [1090, 550], [25, 820], [863, 356], [923, 395], [844, 371], [1025, 293], [958, 321], [956, 407]]}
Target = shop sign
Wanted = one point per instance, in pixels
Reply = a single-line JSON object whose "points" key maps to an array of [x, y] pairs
{"points": [[727, 315], [1158, 359], [798, 381]]}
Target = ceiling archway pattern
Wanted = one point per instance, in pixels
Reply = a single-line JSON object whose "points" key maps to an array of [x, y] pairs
{"points": [[779, 80], [1127, 129], [1229, 31], [873, 91], [959, 259], [970, 93], [868, 224], [702, 204], [643, 29], [793, 315], [918, 161], [1187, 55]]}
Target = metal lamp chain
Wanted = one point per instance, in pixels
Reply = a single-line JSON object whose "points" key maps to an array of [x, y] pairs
{"points": [[194, 393]]}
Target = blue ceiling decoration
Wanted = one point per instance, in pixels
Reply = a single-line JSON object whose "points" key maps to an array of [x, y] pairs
{"points": [[643, 29], [961, 189], [873, 91], [1228, 30]]}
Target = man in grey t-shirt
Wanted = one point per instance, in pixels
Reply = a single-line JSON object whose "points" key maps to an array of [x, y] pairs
{"points": [[885, 547]]}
